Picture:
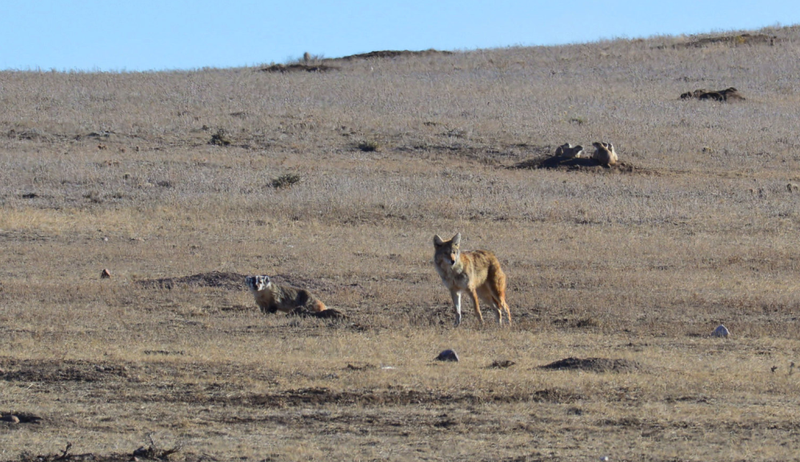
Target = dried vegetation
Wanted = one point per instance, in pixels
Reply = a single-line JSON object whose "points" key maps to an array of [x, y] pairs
{"points": [[180, 183]]}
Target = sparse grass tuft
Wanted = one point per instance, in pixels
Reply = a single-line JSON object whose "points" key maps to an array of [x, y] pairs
{"points": [[220, 138], [93, 196], [286, 180]]}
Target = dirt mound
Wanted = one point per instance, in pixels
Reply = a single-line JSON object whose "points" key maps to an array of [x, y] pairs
{"points": [[283, 68], [731, 40], [575, 164], [212, 279], [151, 453], [32, 134], [323, 396], [60, 371], [312, 285], [394, 54], [78, 457], [594, 365], [233, 281]]}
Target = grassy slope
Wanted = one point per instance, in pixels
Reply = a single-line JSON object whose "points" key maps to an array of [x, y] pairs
{"points": [[115, 171]]}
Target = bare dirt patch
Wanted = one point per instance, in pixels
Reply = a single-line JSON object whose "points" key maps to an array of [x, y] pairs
{"points": [[142, 453], [59, 371], [367, 397], [233, 281], [288, 68], [731, 40], [580, 165], [394, 54], [594, 365], [224, 280]]}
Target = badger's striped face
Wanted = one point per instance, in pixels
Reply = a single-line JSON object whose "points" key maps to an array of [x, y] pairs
{"points": [[257, 283]]}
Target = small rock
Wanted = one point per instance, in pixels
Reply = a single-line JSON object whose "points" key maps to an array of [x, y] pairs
{"points": [[447, 355], [105, 274], [10, 418], [721, 331]]}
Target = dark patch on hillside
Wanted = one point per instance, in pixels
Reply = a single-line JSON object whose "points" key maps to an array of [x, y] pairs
{"points": [[233, 281], [31, 134], [731, 40], [150, 453], [212, 279], [319, 396], [555, 162], [394, 54], [594, 365], [30, 370], [575, 164], [283, 68]]}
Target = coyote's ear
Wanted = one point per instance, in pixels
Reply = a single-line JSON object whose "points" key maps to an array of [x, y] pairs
{"points": [[456, 239], [437, 241]]}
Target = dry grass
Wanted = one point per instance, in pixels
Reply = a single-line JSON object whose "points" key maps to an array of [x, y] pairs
{"points": [[338, 181]]}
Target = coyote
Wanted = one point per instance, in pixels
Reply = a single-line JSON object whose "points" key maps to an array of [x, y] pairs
{"points": [[271, 297], [477, 273]]}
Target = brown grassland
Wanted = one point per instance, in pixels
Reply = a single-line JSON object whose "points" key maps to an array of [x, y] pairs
{"points": [[182, 182]]}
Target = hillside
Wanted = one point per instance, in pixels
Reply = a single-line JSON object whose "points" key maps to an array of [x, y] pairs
{"points": [[335, 175]]}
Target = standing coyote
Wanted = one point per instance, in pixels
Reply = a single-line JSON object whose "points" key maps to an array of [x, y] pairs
{"points": [[477, 273], [271, 297]]}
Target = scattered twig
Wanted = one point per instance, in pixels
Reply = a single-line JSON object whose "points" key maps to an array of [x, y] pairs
{"points": [[65, 454]]}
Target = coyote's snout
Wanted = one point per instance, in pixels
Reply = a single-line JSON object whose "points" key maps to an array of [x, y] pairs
{"points": [[477, 273]]}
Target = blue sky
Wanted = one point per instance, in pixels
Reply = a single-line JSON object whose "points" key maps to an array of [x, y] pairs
{"points": [[144, 35]]}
